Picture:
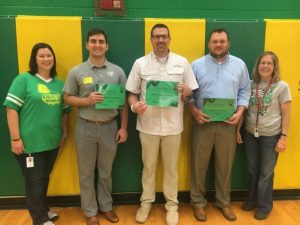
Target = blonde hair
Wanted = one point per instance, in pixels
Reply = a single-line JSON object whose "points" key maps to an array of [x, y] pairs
{"points": [[276, 71]]}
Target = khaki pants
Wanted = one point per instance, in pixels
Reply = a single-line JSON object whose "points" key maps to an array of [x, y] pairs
{"points": [[206, 137], [169, 146]]}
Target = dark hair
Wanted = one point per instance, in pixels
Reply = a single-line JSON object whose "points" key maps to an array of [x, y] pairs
{"points": [[276, 70], [95, 31], [160, 25], [33, 67], [218, 30]]}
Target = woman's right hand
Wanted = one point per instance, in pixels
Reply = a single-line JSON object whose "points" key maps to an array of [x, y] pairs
{"points": [[17, 147]]}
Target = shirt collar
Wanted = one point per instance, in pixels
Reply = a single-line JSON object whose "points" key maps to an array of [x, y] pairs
{"points": [[160, 60], [43, 79], [93, 66], [213, 59]]}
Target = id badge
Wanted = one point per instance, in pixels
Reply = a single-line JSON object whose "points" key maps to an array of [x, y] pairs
{"points": [[256, 134], [29, 162]]}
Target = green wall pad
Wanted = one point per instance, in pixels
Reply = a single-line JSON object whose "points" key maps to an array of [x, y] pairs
{"points": [[126, 44]]}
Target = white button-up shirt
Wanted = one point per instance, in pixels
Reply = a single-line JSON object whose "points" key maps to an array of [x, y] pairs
{"points": [[160, 120]]}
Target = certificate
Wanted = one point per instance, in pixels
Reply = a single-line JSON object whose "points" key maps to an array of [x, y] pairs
{"points": [[218, 109], [162, 93], [114, 96]]}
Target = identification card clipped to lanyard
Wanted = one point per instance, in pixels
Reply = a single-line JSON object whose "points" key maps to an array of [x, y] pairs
{"points": [[256, 134], [29, 161]]}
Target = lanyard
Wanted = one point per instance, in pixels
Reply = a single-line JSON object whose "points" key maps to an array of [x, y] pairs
{"points": [[259, 103]]}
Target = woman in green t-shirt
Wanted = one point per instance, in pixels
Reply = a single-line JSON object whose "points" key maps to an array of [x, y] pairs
{"points": [[37, 121]]}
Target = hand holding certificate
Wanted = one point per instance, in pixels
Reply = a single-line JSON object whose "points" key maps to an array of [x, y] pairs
{"points": [[162, 93], [218, 109], [114, 96]]}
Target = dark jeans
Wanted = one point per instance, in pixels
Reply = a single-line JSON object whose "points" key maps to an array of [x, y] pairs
{"points": [[36, 183], [262, 159]]}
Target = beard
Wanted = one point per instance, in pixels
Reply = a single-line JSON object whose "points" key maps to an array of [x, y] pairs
{"points": [[219, 56]]}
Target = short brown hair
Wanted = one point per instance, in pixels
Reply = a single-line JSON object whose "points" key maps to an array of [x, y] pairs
{"points": [[218, 30], [160, 25], [95, 31]]}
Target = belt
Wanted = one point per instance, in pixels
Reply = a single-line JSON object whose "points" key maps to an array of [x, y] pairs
{"points": [[100, 122]]}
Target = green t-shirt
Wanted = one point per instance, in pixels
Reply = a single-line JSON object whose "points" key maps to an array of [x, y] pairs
{"points": [[39, 104]]}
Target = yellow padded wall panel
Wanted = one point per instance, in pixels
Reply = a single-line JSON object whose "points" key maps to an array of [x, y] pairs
{"points": [[64, 36], [188, 40], [282, 37]]}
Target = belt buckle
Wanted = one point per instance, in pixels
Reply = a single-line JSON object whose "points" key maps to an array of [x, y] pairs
{"points": [[104, 122], [100, 122]]}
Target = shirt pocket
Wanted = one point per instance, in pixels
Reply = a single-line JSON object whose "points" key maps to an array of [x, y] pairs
{"points": [[175, 74], [148, 74]]}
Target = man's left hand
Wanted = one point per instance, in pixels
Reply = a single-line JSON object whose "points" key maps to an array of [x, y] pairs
{"points": [[234, 119], [184, 90]]}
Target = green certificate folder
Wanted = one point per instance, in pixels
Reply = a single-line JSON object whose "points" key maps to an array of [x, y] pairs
{"points": [[162, 93], [114, 96], [218, 109]]}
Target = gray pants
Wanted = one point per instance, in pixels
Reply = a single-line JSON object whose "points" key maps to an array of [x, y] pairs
{"points": [[206, 137], [96, 147]]}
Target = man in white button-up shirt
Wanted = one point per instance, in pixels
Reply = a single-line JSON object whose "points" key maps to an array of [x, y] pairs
{"points": [[160, 127]]}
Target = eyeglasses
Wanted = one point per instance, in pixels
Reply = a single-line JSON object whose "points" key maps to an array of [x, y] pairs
{"points": [[94, 41], [221, 42], [266, 63], [157, 37]]}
